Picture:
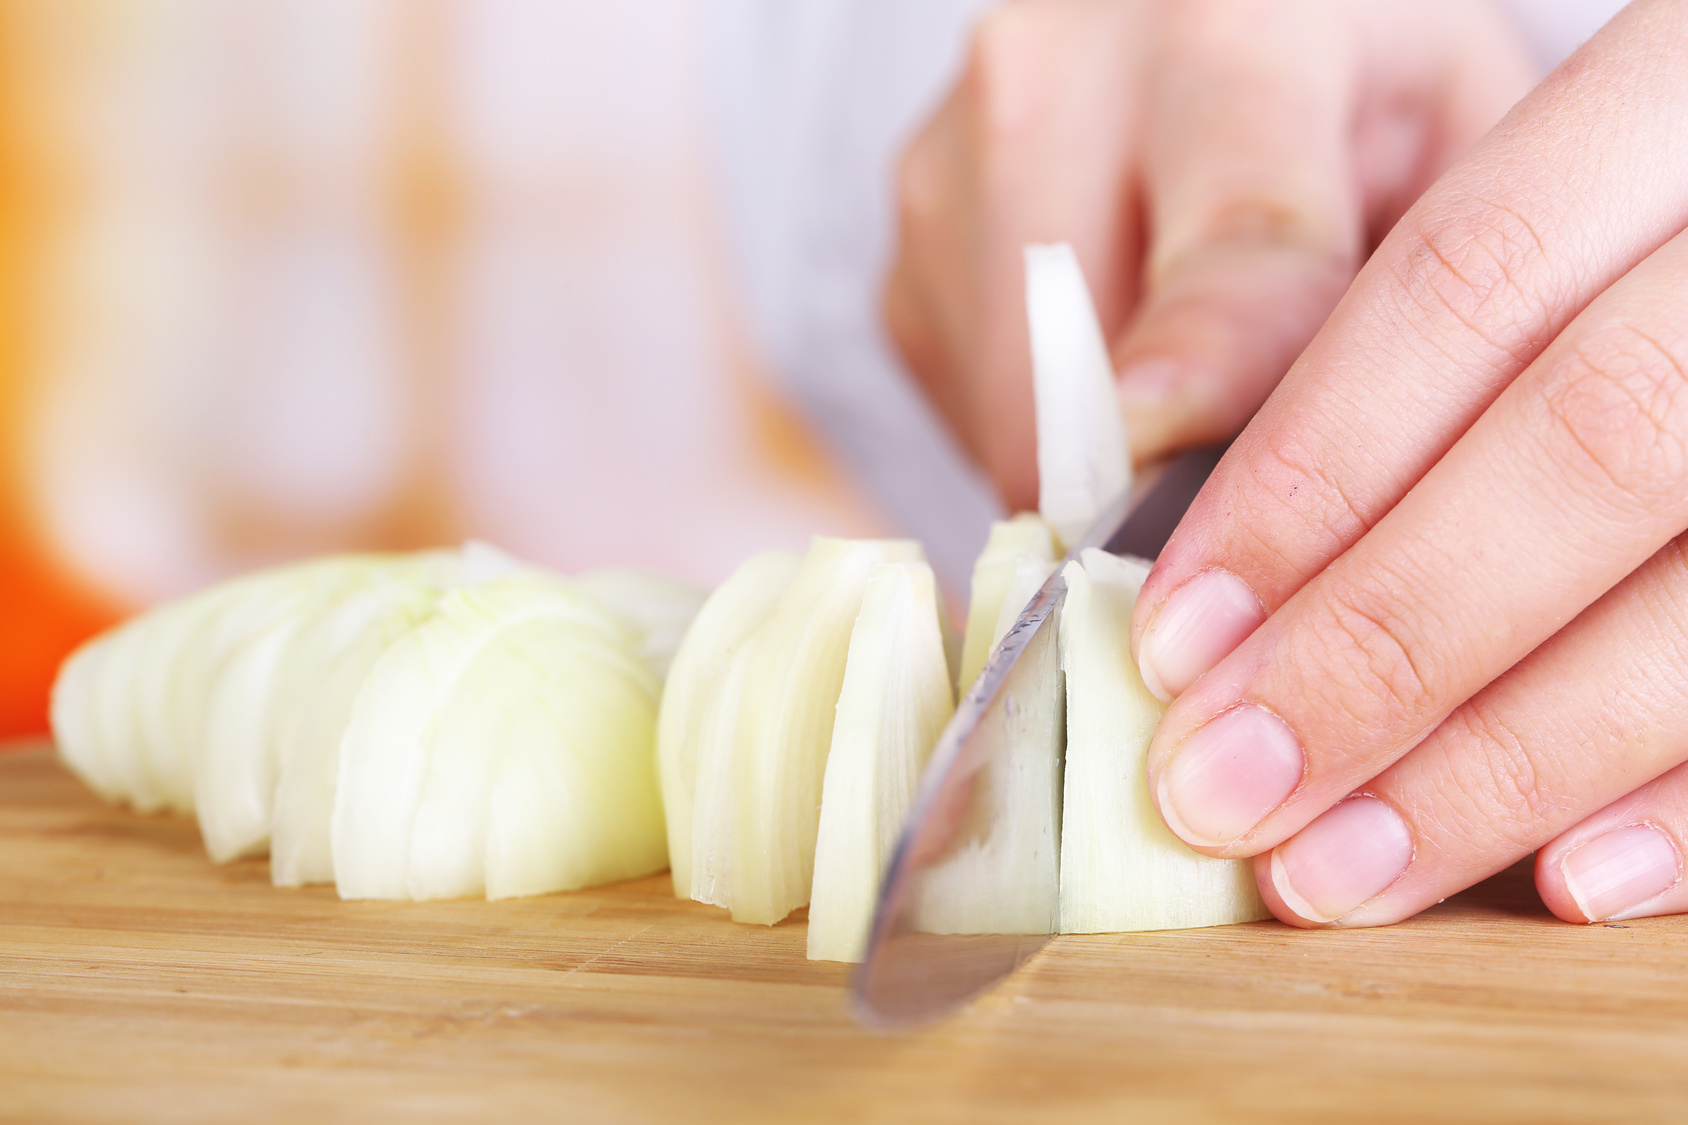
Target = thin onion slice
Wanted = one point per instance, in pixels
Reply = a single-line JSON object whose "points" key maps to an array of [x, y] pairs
{"points": [[716, 633], [1083, 453], [894, 702]]}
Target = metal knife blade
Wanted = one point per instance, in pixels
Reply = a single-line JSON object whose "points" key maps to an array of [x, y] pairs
{"points": [[909, 976]]}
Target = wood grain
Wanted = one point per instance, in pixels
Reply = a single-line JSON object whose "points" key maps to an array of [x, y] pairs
{"points": [[138, 982]]}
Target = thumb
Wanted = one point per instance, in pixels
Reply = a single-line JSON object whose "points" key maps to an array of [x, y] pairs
{"points": [[1255, 220]]}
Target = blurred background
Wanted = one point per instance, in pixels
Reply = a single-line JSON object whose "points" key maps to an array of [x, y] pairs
{"points": [[595, 282]]}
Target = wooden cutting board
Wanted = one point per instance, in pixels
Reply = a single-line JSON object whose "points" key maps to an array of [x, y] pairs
{"points": [[138, 982]]}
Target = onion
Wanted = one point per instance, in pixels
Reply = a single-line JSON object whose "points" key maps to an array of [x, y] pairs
{"points": [[734, 611], [1002, 877], [442, 724], [1121, 867], [316, 685], [1026, 536], [894, 701], [1083, 455], [765, 733]]}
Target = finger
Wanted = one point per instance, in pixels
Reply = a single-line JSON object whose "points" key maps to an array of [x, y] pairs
{"points": [[1254, 216], [1563, 198], [1594, 713], [1276, 138], [1034, 144], [1430, 105], [1577, 475], [1625, 861]]}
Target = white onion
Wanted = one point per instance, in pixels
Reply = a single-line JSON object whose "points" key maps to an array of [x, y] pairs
{"points": [[385, 754], [432, 725], [894, 702], [1003, 877], [760, 767], [735, 610], [1083, 454], [1121, 867]]}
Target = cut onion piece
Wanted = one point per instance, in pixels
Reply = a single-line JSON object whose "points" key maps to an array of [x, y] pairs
{"points": [[171, 630], [116, 732], [75, 723], [713, 798], [384, 755], [790, 676], [894, 702], [1001, 875], [540, 775], [1122, 869], [1027, 535], [131, 707], [317, 682], [110, 709], [714, 635], [1083, 452], [574, 799], [429, 725], [235, 765]]}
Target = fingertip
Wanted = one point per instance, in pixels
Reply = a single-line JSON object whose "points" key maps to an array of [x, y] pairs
{"points": [[1550, 885], [1275, 902], [1625, 872]]}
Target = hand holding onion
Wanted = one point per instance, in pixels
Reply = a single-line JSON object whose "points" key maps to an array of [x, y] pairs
{"points": [[1428, 616], [1453, 540]]}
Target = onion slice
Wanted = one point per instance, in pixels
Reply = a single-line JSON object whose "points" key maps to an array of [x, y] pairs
{"points": [[894, 702], [762, 752], [385, 754], [1083, 453], [1122, 869], [1001, 876], [716, 633]]}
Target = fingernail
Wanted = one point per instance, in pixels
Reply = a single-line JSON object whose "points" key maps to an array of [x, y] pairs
{"points": [[1228, 775], [1198, 625], [1611, 875], [1344, 859]]}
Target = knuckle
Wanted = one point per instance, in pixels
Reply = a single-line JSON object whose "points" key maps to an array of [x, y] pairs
{"points": [[1370, 668], [1502, 788], [1483, 264], [1257, 223], [1261, 219], [1620, 404], [1310, 507]]}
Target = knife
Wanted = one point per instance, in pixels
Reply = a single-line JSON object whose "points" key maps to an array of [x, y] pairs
{"points": [[909, 976]]}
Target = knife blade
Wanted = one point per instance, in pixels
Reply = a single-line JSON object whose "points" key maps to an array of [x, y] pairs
{"points": [[910, 976]]}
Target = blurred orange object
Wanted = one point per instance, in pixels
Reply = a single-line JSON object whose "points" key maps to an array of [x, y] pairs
{"points": [[45, 615], [44, 611]]}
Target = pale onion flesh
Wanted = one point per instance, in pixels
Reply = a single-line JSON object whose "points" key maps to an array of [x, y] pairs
{"points": [[442, 724], [1122, 869], [1001, 874], [766, 732], [1083, 454], [719, 629], [894, 702], [1026, 536]]}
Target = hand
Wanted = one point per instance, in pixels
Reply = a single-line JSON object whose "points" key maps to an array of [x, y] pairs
{"points": [[1221, 167], [1453, 539]]}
